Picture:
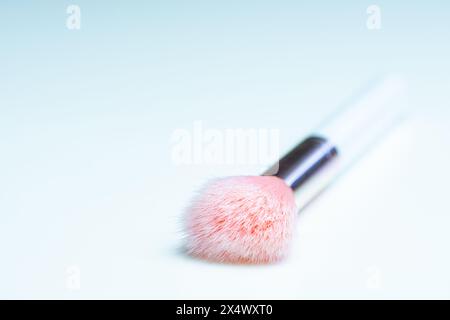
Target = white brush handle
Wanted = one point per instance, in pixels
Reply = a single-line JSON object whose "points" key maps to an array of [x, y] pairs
{"points": [[341, 139], [360, 123]]}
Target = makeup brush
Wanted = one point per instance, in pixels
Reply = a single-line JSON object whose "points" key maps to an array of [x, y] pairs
{"points": [[251, 219]]}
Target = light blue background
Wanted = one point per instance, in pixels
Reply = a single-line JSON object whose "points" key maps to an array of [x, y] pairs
{"points": [[86, 175]]}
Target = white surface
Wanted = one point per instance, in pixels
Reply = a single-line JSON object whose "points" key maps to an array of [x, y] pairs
{"points": [[380, 231]]}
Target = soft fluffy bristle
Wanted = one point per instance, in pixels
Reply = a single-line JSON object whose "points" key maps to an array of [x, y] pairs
{"points": [[241, 220]]}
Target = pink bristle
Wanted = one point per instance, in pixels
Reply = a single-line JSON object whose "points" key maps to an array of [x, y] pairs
{"points": [[241, 220]]}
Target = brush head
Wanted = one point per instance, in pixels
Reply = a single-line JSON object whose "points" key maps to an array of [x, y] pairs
{"points": [[241, 220]]}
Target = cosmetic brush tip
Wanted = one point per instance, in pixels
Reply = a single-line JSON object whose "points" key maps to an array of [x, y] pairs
{"points": [[247, 220]]}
